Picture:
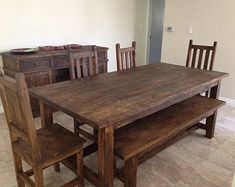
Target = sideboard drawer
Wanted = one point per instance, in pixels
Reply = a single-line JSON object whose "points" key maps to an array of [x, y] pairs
{"points": [[60, 61], [35, 64]]}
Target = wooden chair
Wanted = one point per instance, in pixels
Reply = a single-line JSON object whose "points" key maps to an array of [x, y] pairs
{"points": [[126, 57], [201, 56], [83, 63], [38, 148]]}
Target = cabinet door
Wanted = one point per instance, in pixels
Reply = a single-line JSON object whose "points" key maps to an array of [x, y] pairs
{"points": [[37, 79]]}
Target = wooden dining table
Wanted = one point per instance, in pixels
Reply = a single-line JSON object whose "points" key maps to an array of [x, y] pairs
{"points": [[110, 101]]}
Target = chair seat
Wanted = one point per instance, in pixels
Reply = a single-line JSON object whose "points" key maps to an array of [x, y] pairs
{"points": [[55, 143]]}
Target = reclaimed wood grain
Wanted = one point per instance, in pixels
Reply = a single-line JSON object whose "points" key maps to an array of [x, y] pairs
{"points": [[120, 98]]}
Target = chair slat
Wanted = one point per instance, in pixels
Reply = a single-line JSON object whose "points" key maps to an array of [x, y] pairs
{"points": [[127, 60], [200, 59], [194, 58], [72, 70], [206, 59], [84, 67], [122, 60], [131, 59], [91, 66], [78, 69]]}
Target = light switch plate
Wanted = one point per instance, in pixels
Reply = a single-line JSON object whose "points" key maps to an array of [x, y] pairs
{"points": [[190, 30]]}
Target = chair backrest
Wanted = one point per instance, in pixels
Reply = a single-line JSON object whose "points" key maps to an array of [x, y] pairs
{"points": [[83, 63], [15, 99], [201, 56], [126, 57]]}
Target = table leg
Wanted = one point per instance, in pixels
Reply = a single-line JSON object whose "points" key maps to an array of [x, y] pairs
{"points": [[210, 121], [46, 114], [105, 156]]}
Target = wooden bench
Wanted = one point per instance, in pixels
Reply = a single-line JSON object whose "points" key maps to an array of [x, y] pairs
{"points": [[143, 138]]}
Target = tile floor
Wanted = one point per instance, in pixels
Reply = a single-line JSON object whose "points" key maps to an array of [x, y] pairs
{"points": [[192, 162]]}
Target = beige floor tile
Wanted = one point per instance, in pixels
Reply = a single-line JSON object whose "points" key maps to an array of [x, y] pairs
{"points": [[229, 147], [179, 157], [222, 159], [228, 182], [213, 173], [165, 170], [194, 161], [152, 179]]}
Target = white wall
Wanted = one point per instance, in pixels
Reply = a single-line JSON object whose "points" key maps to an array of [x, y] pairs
{"points": [[212, 20], [30, 23]]}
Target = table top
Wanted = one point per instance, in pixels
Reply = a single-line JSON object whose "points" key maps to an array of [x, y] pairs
{"points": [[119, 98]]}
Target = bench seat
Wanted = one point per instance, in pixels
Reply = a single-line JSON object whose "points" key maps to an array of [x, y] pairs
{"points": [[158, 128]]}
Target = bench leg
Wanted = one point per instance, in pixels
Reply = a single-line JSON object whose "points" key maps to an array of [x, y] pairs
{"points": [[130, 172], [210, 125], [210, 121], [76, 125], [57, 167]]}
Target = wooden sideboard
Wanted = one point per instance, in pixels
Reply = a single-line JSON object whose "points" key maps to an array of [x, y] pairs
{"points": [[46, 67]]}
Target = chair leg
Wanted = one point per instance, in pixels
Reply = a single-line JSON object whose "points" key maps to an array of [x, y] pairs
{"points": [[18, 169], [57, 167], [38, 177], [76, 124], [80, 167], [130, 172], [95, 133]]}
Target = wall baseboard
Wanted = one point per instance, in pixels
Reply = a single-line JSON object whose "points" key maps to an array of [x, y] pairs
{"points": [[230, 102]]}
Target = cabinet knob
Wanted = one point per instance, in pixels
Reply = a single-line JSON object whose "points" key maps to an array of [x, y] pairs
{"points": [[35, 63]]}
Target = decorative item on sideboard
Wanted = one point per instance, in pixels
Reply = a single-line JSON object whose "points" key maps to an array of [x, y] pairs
{"points": [[24, 50], [60, 47]]}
